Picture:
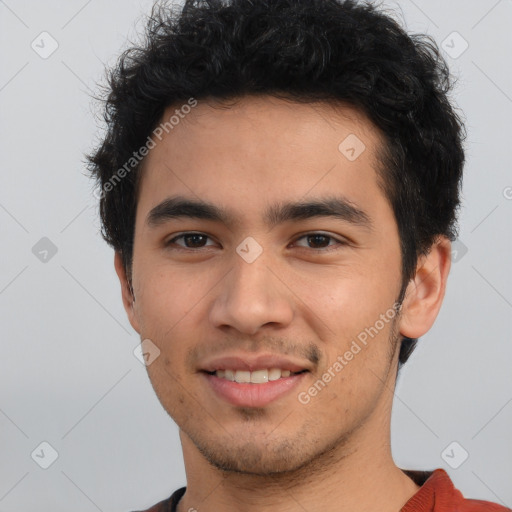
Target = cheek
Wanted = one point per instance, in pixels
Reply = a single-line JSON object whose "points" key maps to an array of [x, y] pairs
{"points": [[352, 299], [359, 310], [355, 373], [170, 308], [168, 383], [168, 295]]}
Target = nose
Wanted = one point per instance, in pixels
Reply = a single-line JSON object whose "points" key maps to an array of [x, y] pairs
{"points": [[252, 296]]}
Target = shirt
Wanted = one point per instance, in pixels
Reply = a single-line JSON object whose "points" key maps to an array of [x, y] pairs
{"points": [[436, 494]]}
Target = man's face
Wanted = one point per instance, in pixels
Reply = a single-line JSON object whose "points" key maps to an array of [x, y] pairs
{"points": [[214, 302]]}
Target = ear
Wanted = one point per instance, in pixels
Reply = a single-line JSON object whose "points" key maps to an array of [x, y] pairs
{"points": [[425, 292], [126, 291]]}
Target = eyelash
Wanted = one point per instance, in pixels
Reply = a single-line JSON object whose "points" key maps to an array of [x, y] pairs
{"points": [[329, 248]]}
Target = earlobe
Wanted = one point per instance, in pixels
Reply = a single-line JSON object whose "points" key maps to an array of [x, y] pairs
{"points": [[425, 292], [126, 291]]}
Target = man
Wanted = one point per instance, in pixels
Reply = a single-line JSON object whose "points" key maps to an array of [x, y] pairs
{"points": [[279, 180]]}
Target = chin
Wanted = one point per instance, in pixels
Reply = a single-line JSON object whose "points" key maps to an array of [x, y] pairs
{"points": [[252, 458]]}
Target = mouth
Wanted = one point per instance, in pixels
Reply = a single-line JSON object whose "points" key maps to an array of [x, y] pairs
{"points": [[258, 388], [254, 377], [253, 380]]}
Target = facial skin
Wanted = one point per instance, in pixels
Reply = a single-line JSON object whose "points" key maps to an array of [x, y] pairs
{"points": [[303, 297]]}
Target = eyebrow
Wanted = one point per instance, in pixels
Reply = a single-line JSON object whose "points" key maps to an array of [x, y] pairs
{"points": [[179, 207]]}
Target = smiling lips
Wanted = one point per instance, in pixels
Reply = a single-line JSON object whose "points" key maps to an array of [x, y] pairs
{"points": [[253, 381], [255, 377], [252, 363]]}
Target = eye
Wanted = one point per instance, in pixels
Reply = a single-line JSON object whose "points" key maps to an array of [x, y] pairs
{"points": [[191, 240], [321, 241]]}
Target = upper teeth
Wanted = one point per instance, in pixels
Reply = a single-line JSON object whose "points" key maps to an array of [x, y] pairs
{"points": [[256, 377]]}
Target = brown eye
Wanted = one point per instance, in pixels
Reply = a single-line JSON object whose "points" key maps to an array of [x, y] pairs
{"points": [[191, 240], [320, 241]]}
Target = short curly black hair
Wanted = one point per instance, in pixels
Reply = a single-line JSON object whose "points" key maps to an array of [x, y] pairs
{"points": [[303, 50]]}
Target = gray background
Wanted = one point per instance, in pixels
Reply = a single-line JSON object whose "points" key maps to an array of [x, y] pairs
{"points": [[68, 375]]}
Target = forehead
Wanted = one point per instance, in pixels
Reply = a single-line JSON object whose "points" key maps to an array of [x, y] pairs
{"points": [[254, 118], [247, 150]]}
